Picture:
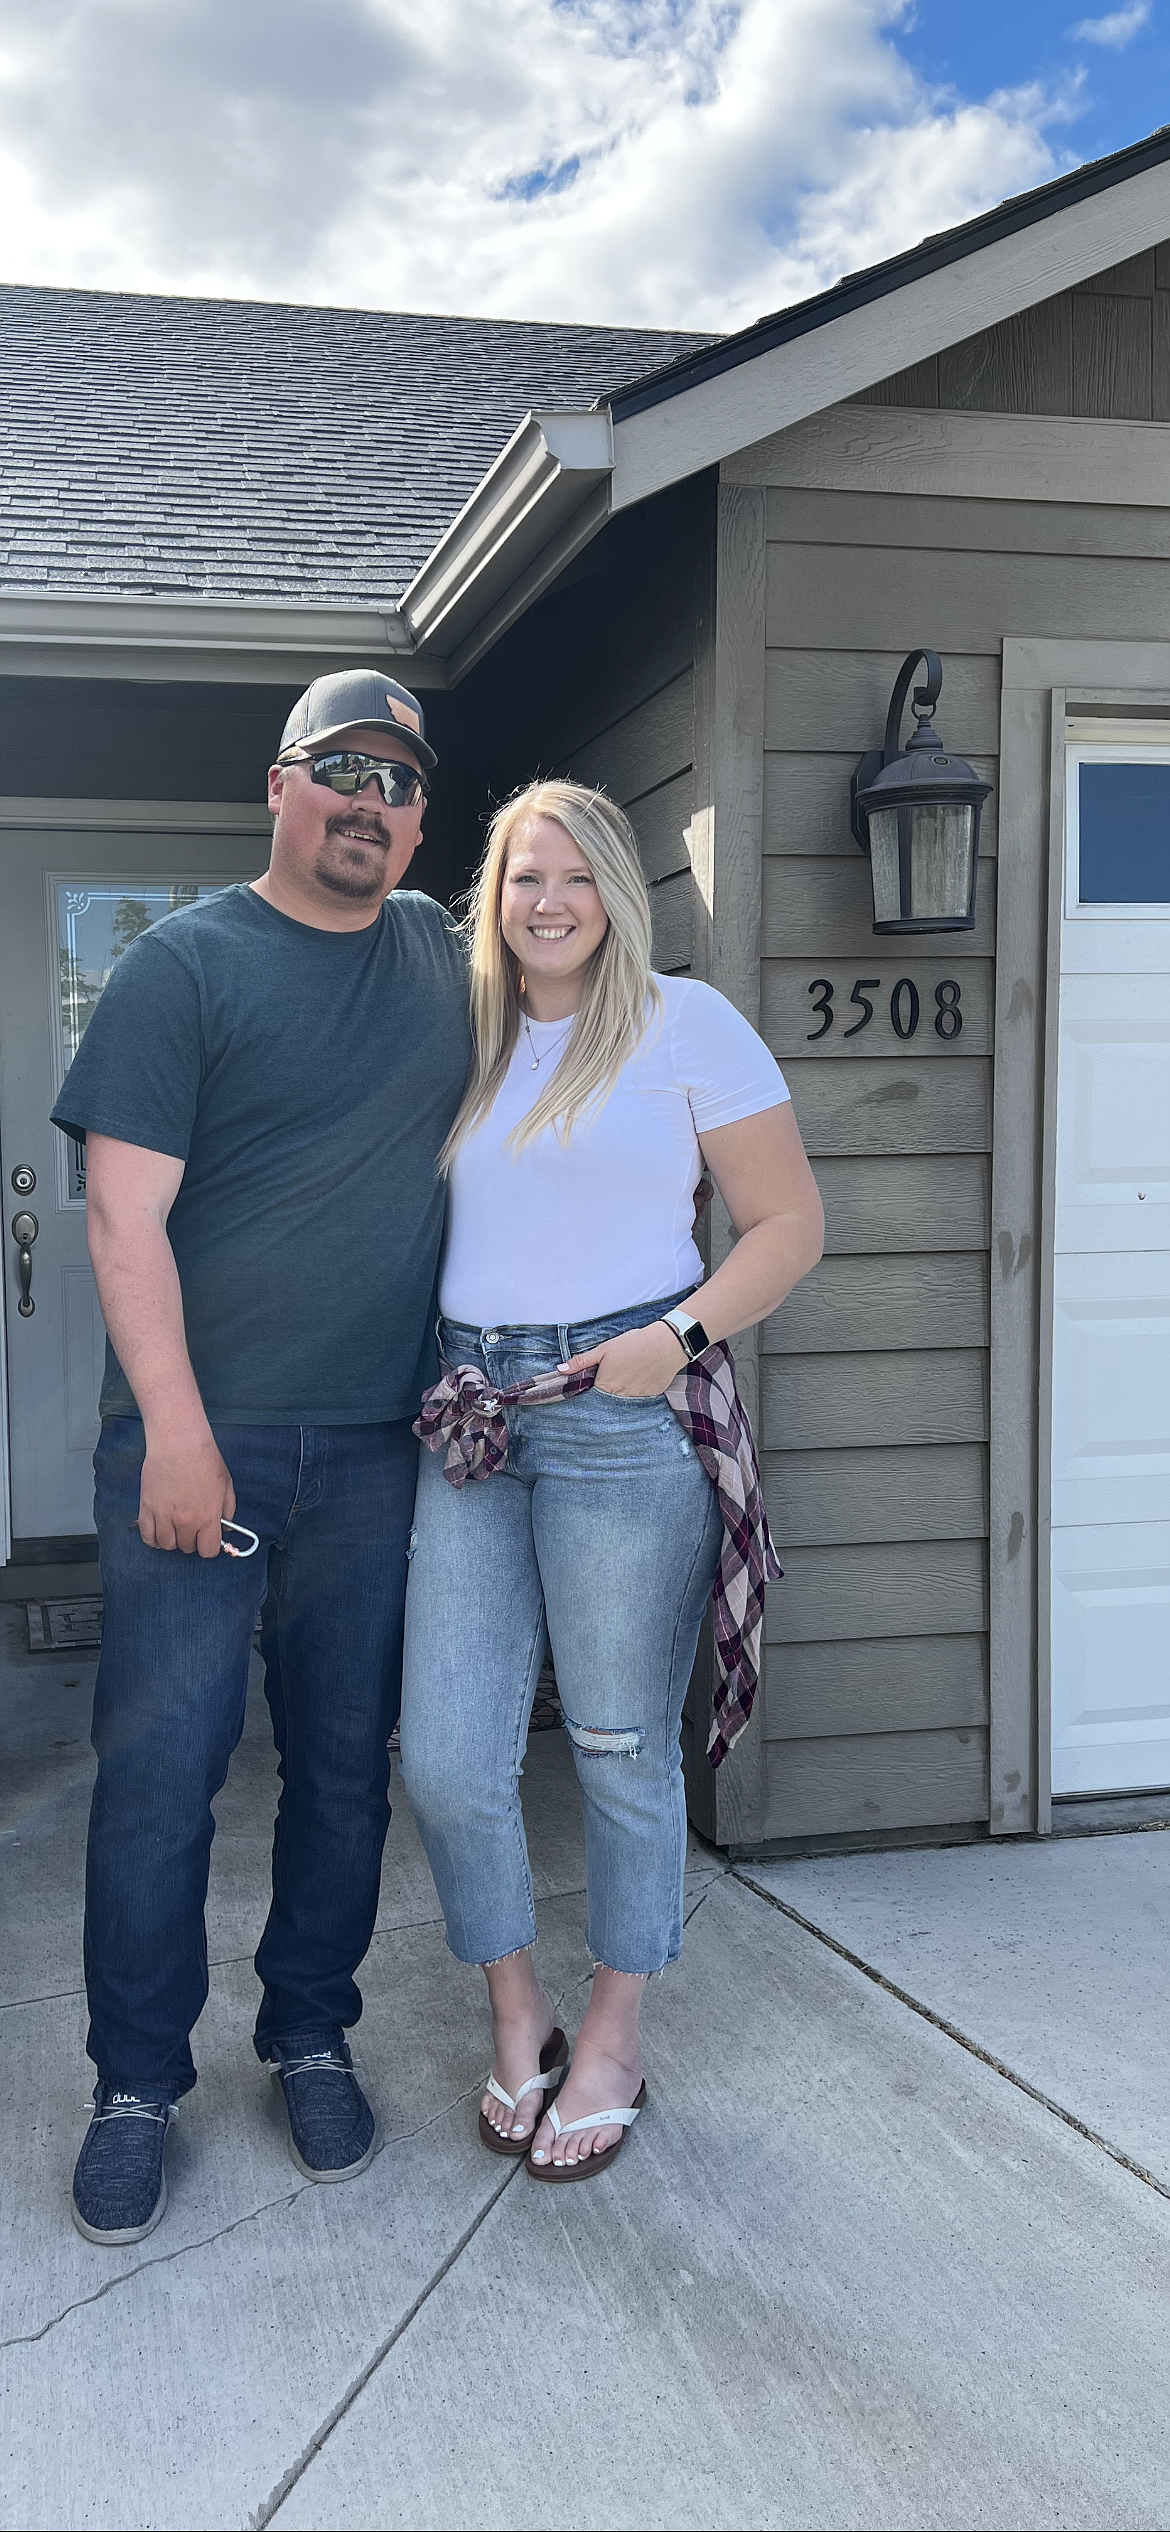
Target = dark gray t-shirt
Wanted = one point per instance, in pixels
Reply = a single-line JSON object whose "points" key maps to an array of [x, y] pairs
{"points": [[307, 1079]]}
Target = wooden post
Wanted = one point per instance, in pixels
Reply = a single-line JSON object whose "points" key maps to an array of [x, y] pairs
{"points": [[1015, 1254]]}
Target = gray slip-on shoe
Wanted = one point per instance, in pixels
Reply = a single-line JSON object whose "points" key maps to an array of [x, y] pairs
{"points": [[120, 2186]]}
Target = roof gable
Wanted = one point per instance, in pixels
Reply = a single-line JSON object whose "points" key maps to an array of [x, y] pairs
{"points": [[707, 406], [878, 281]]}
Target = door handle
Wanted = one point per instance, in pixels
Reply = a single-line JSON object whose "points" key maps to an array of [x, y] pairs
{"points": [[25, 1227]]}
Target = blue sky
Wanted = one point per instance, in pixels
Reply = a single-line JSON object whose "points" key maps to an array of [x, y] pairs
{"points": [[655, 162], [1119, 87]]}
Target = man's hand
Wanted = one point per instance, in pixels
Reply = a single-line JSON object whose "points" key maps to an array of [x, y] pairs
{"points": [[186, 1492], [640, 1363]]}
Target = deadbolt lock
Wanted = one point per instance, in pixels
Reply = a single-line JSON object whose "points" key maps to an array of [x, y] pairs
{"points": [[24, 1179]]}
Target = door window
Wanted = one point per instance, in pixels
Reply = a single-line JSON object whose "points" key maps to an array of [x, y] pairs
{"points": [[1124, 835], [1119, 828], [94, 923]]}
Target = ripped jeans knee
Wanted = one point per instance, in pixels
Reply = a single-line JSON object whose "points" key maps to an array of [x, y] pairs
{"points": [[596, 1740]]}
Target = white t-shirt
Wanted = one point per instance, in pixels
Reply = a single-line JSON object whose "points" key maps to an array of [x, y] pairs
{"points": [[561, 1232]]}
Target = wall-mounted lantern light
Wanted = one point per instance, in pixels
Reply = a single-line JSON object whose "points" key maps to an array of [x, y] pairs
{"points": [[917, 815]]}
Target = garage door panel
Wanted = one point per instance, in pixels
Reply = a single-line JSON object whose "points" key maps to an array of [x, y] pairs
{"points": [[1113, 1122], [1132, 947], [1111, 1658], [1110, 1387]]}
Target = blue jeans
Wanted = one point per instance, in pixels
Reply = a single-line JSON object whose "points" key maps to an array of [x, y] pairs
{"points": [[332, 1504], [604, 1529]]}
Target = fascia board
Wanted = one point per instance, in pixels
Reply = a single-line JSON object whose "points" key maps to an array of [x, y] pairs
{"points": [[78, 634], [128, 818], [550, 466], [155, 664], [707, 422]]}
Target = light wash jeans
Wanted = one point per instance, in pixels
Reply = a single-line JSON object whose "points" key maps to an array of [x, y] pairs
{"points": [[601, 1534]]}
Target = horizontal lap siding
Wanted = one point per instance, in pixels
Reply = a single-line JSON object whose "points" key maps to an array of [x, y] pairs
{"points": [[880, 1783], [837, 1401], [827, 1498], [874, 1377], [643, 759], [597, 685], [932, 1682]]}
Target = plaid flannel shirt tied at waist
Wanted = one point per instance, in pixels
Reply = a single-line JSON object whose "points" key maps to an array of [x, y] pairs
{"points": [[465, 1418]]}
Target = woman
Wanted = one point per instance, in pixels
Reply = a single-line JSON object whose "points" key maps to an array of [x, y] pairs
{"points": [[598, 1092]]}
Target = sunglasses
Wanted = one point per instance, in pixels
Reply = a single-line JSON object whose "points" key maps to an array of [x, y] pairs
{"points": [[346, 772]]}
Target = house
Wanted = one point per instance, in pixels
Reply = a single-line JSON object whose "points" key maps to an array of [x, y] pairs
{"points": [[688, 568]]}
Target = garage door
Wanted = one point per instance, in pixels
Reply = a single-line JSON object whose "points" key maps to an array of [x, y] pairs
{"points": [[1111, 1288]]}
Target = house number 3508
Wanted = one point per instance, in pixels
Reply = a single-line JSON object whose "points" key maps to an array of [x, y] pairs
{"points": [[905, 1007]]}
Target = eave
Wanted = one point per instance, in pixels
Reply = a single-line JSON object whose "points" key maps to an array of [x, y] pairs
{"points": [[545, 496], [257, 642]]}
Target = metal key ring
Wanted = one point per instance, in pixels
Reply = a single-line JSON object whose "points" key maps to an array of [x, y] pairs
{"points": [[242, 1532]]}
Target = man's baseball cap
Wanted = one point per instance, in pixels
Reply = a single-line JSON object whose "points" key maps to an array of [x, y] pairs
{"points": [[356, 699]]}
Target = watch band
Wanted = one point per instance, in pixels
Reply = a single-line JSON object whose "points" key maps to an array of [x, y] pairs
{"points": [[692, 1336]]}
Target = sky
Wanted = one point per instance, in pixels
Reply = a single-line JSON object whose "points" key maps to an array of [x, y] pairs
{"points": [[653, 162]]}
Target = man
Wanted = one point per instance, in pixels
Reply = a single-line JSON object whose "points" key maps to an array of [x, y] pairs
{"points": [[264, 1089]]}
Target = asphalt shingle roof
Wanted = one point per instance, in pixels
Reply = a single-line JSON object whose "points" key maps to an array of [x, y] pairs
{"points": [[227, 448]]}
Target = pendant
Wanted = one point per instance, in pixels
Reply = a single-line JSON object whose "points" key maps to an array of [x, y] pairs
{"points": [[534, 1066]]}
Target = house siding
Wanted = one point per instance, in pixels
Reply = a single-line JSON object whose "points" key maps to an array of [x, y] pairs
{"points": [[597, 685], [874, 1377], [1102, 349]]}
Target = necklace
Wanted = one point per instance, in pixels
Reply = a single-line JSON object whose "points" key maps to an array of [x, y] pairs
{"points": [[537, 1060]]}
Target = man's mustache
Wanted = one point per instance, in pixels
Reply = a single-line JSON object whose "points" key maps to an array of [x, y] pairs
{"points": [[356, 824]]}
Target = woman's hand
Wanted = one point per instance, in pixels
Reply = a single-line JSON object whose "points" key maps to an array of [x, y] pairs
{"points": [[641, 1363]]}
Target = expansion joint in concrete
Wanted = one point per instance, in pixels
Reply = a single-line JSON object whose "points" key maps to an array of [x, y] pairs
{"points": [[54, 1995], [951, 2031], [266, 2513]]}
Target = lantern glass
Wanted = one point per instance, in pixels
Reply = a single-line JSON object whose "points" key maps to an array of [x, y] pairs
{"points": [[942, 839], [883, 856], [942, 848]]}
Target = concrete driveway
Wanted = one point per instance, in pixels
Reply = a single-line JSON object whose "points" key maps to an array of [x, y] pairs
{"points": [[890, 2247]]}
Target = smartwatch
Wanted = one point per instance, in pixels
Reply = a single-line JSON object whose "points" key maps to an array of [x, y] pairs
{"points": [[691, 1336]]}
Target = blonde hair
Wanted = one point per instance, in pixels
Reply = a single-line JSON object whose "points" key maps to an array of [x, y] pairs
{"points": [[613, 1011]]}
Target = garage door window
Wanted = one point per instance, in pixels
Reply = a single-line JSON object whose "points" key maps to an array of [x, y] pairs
{"points": [[1120, 830]]}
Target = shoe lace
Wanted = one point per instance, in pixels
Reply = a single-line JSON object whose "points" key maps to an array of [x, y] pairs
{"points": [[313, 2066], [161, 2112]]}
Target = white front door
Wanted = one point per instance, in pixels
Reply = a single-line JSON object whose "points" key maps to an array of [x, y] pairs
{"points": [[1111, 1278], [77, 883]]}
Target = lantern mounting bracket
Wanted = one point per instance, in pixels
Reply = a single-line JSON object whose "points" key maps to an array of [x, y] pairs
{"points": [[925, 698]]}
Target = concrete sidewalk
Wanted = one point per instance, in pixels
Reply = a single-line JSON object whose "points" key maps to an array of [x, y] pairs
{"points": [[849, 2271]]}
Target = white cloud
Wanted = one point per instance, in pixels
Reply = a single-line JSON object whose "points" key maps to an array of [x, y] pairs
{"points": [[688, 162], [1117, 29]]}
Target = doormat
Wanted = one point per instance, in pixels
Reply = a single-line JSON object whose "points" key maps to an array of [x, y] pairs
{"points": [[64, 1626]]}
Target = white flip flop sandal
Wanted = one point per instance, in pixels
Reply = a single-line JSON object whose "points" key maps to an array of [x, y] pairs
{"points": [[554, 2066], [588, 2164]]}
